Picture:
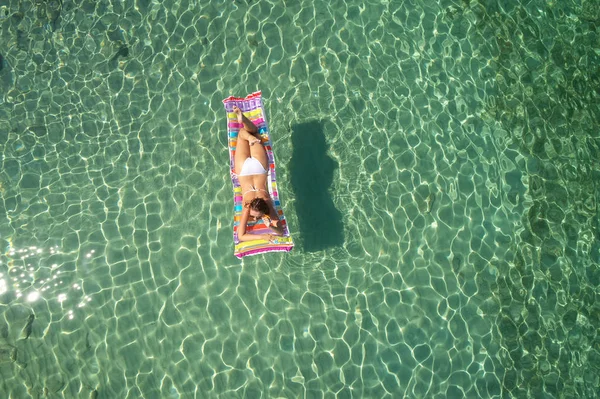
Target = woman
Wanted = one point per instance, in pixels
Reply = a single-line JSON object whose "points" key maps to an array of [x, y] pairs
{"points": [[250, 166]]}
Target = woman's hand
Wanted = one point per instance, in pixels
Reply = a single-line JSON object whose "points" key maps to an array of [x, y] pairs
{"points": [[269, 237], [273, 225], [269, 222]]}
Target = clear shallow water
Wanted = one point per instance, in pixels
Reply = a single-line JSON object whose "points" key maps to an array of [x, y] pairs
{"points": [[452, 249]]}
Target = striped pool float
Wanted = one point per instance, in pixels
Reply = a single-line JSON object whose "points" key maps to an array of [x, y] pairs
{"points": [[252, 107]]}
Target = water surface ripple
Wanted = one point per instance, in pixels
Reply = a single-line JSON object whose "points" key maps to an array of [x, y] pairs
{"points": [[459, 149]]}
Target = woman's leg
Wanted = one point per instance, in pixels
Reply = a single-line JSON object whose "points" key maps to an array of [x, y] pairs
{"points": [[248, 124], [258, 151], [247, 141], [242, 150]]}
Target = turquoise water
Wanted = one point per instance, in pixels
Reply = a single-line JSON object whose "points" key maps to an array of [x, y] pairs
{"points": [[442, 169]]}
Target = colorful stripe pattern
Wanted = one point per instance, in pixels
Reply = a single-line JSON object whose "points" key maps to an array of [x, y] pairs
{"points": [[253, 108]]}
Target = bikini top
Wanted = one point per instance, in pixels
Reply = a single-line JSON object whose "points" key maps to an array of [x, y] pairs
{"points": [[254, 189]]}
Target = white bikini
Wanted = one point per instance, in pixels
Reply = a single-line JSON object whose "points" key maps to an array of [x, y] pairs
{"points": [[254, 190], [252, 166]]}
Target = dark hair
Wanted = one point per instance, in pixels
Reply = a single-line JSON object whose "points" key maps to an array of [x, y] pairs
{"points": [[260, 205]]}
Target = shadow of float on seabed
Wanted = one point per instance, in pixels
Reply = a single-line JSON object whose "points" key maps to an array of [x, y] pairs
{"points": [[311, 174]]}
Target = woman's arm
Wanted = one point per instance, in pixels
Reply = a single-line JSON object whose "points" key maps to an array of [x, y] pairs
{"points": [[241, 231], [273, 221]]}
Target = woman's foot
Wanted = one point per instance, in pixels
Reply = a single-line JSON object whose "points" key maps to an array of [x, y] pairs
{"points": [[238, 112], [248, 124]]}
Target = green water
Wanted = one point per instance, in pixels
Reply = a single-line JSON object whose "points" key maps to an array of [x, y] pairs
{"points": [[438, 163]]}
